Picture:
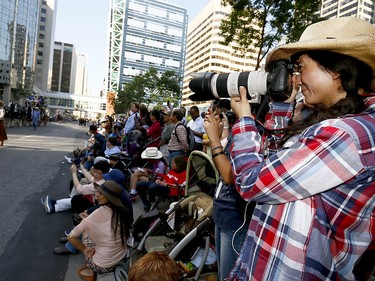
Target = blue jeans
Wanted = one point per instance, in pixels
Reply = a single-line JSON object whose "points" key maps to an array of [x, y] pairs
{"points": [[226, 256], [71, 248], [35, 122]]}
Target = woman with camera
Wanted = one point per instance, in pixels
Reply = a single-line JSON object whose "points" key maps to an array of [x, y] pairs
{"points": [[315, 197]]}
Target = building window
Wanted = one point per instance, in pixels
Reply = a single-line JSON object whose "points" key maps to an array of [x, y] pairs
{"points": [[42, 28], [41, 45], [41, 36], [39, 61], [40, 53], [43, 19], [44, 11]]}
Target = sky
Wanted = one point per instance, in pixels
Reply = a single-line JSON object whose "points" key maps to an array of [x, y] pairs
{"points": [[83, 23]]}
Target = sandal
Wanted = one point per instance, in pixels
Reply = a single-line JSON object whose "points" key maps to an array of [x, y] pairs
{"points": [[84, 276]]}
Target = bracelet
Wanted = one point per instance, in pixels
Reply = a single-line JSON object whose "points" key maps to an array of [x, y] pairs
{"points": [[216, 147], [217, 154], [226, 128]]}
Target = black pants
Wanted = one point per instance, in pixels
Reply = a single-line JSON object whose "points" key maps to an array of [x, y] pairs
{"points": [[80, 203]]}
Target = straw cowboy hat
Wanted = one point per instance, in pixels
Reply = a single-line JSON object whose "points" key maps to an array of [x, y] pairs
{"points": [[350, 36], [151, 153], [110, 190]]}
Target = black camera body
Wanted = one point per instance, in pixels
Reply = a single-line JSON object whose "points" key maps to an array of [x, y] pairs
{"points": [[276, 83]]}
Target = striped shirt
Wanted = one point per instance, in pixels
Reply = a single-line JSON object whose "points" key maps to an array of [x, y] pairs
{"points": [[315, 198]]}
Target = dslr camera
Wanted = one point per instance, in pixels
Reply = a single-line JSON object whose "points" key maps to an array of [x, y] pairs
{"points": [[276, 83]]}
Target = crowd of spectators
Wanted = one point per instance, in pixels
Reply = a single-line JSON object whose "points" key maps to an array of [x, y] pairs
{"points": [[295, 199]]}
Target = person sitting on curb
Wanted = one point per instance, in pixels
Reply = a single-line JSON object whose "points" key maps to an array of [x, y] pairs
{"points": [[153, 156], [112, 147], [113, 175], [169, 184], [104, 233], [84, 193]]}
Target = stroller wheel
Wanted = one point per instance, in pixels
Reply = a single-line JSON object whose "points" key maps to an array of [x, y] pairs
{"points": [[121, 273]]}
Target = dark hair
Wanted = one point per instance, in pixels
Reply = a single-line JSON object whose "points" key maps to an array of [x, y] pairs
{"points": [[180, 163], [120, 218], [112, 140], [354, 74], [136, 104], [143, 110], [195, 108], [224, 103], [156, 114], [102, 165], [93, 128]]}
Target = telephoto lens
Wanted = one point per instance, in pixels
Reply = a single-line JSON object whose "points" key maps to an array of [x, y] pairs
{"points": [[276, 83]]}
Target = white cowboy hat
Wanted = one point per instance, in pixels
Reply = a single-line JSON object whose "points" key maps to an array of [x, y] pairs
{"points": [[350, 36], [151, 153]]}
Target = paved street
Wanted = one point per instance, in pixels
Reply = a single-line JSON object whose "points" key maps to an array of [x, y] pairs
{"points": [[32, 165]]}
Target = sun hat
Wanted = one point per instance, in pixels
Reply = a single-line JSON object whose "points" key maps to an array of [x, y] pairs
{"points": [[114, 175], [151, 153], [347, 35], [112, 191]]}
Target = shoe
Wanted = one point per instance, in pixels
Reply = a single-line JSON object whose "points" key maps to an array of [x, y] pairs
{"points": [[61, 251], [133, 197], [48, 206], [68, 159], [64, 239]]}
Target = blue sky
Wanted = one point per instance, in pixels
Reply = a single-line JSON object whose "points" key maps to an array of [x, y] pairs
{"points": [[84, 24]]}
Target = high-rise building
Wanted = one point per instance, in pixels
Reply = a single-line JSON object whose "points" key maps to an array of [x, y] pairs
{"points": [[363, 9], [63, 69], [81, 75], [45, 44], [144, 34], [205, 53], [18, 29]]}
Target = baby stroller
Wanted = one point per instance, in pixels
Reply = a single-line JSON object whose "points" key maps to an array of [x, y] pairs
{"points": [[185, 230]]}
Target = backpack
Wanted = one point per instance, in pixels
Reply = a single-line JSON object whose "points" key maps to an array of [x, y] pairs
{"points": [[189, 137]]}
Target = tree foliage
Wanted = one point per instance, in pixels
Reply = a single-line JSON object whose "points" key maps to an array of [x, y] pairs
{"points": [[150, 87], [256, 26]]}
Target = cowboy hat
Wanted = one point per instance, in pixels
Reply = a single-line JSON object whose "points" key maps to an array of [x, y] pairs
{"points": [[151, 153], [347, 35], [110, 190]]}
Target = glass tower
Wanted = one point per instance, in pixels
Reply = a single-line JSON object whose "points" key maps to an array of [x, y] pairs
{"points": [[18, 31]]}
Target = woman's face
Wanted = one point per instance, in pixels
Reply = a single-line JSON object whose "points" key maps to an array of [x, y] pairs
{"points": [[317, 85], [153, 118], [100, 198]]}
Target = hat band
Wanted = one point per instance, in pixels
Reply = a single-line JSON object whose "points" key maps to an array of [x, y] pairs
{"points": [[109, 192]]}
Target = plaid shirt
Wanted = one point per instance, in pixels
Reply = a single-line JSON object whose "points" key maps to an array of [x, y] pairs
{"points": [[315, 199]]}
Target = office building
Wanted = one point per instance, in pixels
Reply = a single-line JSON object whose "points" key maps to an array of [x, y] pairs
{"points": [[63, 69], [144, 34], [45, 45], [18, 30], [81, 75], [204, 53], [363, 9]]}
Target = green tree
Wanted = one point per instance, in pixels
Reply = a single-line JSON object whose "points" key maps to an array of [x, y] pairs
{"points": [[150, 87], [256, 26]]}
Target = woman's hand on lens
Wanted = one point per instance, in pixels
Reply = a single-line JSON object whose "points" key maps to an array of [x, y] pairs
{"points": [[213, 126], [240, 104]]}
